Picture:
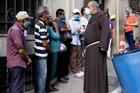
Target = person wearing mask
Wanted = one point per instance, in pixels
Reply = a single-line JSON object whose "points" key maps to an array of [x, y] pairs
{"points": [[41, 49], [77, 30], [96, 42], [84, 19], [54, 44], [131, 21], [63, 57], [85, 16], [17, 59]]}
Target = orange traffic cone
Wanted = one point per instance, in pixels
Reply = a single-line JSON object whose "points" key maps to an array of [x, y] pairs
{"points": [[122, 44]]}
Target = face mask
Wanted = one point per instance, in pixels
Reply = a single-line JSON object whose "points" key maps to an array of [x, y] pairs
{"points": [[76, 16], [89, 17], [63, 17], [26, 24], [87, 11]]}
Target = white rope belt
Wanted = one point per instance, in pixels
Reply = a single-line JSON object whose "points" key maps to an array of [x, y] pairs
{"points": [[94, 43]]}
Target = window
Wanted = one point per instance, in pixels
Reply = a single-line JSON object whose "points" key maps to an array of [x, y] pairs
{"points": [[135, 5], [9, 8]]}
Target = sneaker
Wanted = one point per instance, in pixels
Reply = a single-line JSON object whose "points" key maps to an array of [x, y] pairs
{"points": [[66, 77], [75, 74], [80, 74], [53, 89], [62, 80]]}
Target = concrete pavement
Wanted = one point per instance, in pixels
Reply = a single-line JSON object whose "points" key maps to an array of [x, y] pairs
{"points": [[75, 85]]}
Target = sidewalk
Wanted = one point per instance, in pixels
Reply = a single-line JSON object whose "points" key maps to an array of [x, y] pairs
{"points": [[75, 85]]}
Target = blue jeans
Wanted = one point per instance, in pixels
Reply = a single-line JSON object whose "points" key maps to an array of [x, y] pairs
{"points": [[16, 79], [40, 74], [130, 39]]}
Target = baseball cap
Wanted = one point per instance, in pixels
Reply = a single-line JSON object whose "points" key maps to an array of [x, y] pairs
{"points": [[76, 11], [113, 16], [23, 15]]}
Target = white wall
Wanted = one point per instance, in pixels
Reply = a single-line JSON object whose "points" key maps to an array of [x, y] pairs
{"points": [[111, 5], [67, 5]]}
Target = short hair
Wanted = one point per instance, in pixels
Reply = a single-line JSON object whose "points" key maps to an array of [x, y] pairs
{"points": [[59, 12], [83, 10], [95, 4], [41, 10]]}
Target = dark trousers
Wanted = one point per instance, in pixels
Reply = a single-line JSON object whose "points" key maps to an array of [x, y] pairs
{"points": [[52, 65], [16, 79], [130, 39], [63, 62]]}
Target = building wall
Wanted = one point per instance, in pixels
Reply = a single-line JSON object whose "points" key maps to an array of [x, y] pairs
{"points": [[111, 5], [3, 41], [123, 4], [67, 5]]}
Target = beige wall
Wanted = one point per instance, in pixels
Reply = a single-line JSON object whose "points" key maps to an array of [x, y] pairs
{"points": [[67, 5], [111, 5], [123, 5]]}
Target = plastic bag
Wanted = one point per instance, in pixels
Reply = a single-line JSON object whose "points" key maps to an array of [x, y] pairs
{"points": [[62, 47]]}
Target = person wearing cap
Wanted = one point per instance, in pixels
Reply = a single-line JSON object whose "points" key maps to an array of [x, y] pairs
{"points": [[131, 21], [42, 48], [111, 49], [17, 59], [96, 45], [63, 56], [77, 29]]}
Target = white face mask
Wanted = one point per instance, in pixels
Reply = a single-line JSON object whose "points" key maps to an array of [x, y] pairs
{"points": [[87, 11]]}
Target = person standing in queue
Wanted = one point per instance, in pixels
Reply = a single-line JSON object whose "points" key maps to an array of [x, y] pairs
{"points": [[17, 59], [96, 41]]}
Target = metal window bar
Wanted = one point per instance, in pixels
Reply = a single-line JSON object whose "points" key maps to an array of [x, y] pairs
{"points": [[6, 22]]}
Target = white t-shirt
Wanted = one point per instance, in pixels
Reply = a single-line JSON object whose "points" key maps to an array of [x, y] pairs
{"points": [[84, 21]]}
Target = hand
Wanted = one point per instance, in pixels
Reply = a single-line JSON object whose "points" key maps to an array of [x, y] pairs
{"points": [[78, 29], [127, 24], [102, 49], [29, 61], [45, 43], [63, 29]]}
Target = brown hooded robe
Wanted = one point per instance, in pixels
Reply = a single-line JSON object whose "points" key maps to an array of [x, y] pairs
{"points": [[95, 80]]}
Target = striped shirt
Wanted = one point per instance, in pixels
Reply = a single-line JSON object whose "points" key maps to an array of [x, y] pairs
{"points": [[41, 33]]}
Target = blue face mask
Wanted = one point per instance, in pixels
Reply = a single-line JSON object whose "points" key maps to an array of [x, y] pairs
{"points": [[89, 17], [26, 24], [77, 16], [63, 17]]}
